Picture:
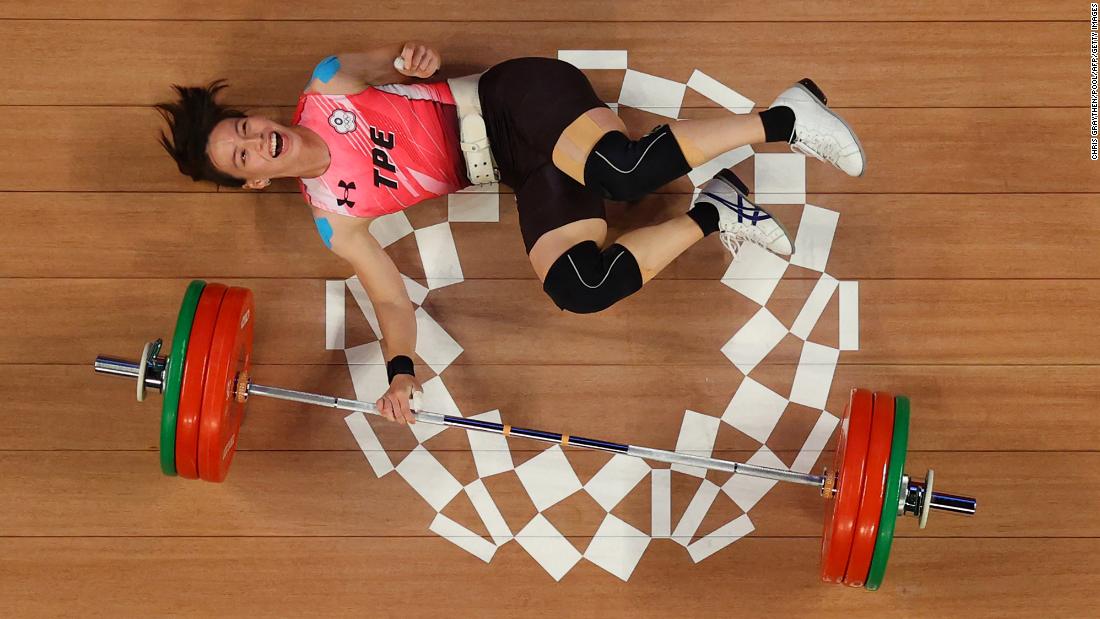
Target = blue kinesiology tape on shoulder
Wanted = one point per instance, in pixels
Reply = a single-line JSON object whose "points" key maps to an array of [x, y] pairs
{"points": [[326, 69], [325, 229]]}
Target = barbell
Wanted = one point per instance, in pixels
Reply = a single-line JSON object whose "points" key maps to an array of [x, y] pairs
{"points": [[206, 380]]}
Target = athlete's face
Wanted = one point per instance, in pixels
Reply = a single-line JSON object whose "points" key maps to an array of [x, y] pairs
{"points": [[255, 149]]}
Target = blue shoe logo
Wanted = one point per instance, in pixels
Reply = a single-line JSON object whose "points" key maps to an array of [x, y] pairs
{"points": [[745, 212]]}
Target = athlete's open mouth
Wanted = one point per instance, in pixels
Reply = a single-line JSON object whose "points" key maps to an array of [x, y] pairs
{"points": [[275, 147]]}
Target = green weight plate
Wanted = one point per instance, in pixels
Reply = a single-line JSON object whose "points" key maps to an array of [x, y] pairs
{"points": [[173, 376], [895, 470]]}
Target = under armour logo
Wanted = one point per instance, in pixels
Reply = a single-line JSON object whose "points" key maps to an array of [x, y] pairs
{"points": [[347, 187]]}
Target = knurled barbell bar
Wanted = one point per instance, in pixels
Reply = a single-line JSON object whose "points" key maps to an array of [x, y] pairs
{"points": [[205, 381]]}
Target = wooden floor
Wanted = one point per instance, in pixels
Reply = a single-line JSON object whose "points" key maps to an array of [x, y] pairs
{"points": [[973, 236]]}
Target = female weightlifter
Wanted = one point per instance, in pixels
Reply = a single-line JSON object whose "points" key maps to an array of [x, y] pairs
{"points": [[373, 135]]}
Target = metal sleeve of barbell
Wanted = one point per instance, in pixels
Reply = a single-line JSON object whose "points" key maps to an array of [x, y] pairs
{"points": [[954, 503], [123, 369], [313, 399]]}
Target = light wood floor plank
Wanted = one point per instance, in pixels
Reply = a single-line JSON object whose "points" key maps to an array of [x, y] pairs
{"points": [[581, 10], [280, 493], [496, 321], [346, 577], [913, 151], [273, 235], [907, 65]]}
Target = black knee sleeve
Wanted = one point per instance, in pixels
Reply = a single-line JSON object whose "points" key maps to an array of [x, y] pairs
{"points": [[626, 170], [585, 280]]}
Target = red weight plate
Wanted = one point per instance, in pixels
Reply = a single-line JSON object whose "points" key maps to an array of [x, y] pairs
{"points": [[851, 454], [230, 354], [874, 490], [194, 370]]}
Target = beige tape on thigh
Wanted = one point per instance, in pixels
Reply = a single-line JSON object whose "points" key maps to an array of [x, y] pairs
{"points": [[576, 143], [585, 132]]}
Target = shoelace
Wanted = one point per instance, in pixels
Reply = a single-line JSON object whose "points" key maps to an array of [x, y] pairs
{"points": [[820, 146], [733, 241]]}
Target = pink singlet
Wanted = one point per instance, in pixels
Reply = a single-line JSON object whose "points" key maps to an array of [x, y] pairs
{"points": [[391, 147]]}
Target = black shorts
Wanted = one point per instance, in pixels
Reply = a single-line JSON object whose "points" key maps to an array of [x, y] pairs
{"points": [[527, 104]]}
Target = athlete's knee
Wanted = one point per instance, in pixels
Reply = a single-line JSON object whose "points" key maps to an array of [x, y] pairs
{"points": [[585, 280], [625, 169]]}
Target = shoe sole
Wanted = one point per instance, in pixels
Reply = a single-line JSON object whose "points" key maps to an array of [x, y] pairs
{"points": [[808, 85], [739, 186]]}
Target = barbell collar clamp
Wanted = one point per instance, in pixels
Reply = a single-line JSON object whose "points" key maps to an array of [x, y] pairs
{"points": [[918, 500]]}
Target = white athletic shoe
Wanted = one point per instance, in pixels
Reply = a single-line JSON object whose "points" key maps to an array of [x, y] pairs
{"points": [[740, 220], [818, 131]]}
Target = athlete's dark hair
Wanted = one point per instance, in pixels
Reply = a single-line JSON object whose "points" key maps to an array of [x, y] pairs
{"points": [[190, 121]]}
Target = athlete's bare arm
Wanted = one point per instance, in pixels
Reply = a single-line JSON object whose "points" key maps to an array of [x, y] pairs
{"points": [[350, 238], [353, 72]]}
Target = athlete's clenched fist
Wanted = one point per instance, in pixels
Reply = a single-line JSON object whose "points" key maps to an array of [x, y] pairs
{"points": [[418, 60]]}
